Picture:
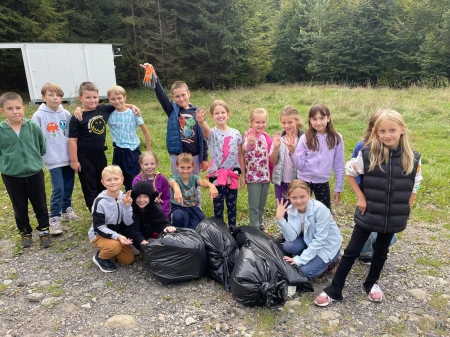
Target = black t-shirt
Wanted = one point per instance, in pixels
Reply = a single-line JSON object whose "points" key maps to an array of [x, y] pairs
{"points": [[91, 131]]}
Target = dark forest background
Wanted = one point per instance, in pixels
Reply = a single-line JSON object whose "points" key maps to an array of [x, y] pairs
{"points": [[232, 43]]}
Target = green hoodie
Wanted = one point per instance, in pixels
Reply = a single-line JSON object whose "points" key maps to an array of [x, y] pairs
{"points": [[21, 156]]}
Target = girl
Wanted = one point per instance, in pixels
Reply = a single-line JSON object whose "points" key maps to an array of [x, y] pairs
{"points": [[227, 163], [284, 171], [148, 219], [258, 168], [392, 175], [149, 163], [320, 150], [367, 251], [312, 235]]}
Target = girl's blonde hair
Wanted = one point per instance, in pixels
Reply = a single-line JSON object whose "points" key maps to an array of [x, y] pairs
{"points": [[141, 160], [218, 102], [292, 112], [258, 112], [379, 153], [297, 183], [333, 138], [369, 127]]}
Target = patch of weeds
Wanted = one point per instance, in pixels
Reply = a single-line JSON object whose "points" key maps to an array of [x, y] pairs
{"points": [[12, 276], [56, 327], [3, 287], [18, 249], [218, 296], [305, 306], [431, 272], [62, 246], [167, 298], [122, 287], [446, 226], [437, 302], [209, 327], [265, 319], [198, 304], [183, 298], [433, 237], [330, 329], [429, 262], [55, 289], [395, 329], [109, 283], [425, 324]]}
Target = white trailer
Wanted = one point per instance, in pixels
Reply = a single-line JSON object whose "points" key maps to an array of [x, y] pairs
{"points": [[66, 64]]}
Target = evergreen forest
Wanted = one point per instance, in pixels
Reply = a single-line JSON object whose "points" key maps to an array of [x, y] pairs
{"points": [[215, 44]]}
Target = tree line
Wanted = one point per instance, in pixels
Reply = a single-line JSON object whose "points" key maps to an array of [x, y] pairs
{"points": [[230, 43]]}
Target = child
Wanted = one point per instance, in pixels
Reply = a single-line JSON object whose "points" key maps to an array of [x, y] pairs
{"points": [[53, 120], [392, 175], [227, 163], [184, 135], [312, 235], [320, 150], [87, 141], [284, 171], [122, 124], [149, 163], [185, 195], [111, 210], [258, 168], [22, 145], [148, 218], [367, 251]]}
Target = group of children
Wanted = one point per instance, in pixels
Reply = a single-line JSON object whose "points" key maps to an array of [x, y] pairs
{"points": [[298, 163]]}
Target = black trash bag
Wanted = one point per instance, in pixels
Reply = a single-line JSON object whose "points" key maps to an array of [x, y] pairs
{"points": [[176, 257], [291, 273], [221, 250], [255, 281]]}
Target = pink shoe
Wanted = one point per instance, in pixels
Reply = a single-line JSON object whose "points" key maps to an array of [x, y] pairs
{"points": [[323, 300], [375, 294]]}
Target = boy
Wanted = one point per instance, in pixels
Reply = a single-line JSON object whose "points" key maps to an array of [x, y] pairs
{"points": [[87, 141], [122, 124], [22, 145], [185, 194], [53, 120], [184, 135], [111, 210]]}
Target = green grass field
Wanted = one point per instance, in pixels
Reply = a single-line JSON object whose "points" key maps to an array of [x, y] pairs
{"points": [[425, 112]]}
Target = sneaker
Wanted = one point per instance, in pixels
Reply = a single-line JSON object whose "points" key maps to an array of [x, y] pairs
{"points": [[69, 215], [375, 294], [334, 264], [323, 300], [55, 225], [46, 241], [366, 261], [26, 240], [105, 265]]}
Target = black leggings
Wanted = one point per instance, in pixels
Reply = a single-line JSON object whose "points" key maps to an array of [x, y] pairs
{"points": [[357, 241], [321, 192]]}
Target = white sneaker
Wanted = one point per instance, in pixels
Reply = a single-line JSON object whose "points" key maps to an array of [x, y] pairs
{"points": [[69, 215], [55, 226]]}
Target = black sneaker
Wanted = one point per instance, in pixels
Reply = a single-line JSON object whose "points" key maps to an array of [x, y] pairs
{"points": [[26, 240], [105, 265], [366, 261], [46, 241]]}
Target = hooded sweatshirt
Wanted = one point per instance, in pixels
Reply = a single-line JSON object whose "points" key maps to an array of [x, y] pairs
{"points": [[55, 126]]}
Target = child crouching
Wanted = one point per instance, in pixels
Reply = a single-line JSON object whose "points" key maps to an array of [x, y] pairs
{"points": [[110, 211]]}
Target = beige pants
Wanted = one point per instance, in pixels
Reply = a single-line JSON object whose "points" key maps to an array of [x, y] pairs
{"points": [[110, 248]]}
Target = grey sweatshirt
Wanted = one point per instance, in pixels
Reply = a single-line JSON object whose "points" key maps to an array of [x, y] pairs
{"points": [[107, 216], [55, 126]]}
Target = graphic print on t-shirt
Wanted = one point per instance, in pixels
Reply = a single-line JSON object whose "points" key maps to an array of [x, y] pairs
{"points": [[52, 127], [97, 125], [187, 130], [63, 126]]}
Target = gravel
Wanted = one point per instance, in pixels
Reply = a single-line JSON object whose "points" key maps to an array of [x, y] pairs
{"points": [[60, 292]]}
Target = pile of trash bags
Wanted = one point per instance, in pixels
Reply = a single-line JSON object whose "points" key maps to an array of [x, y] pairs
{"points": [[251, 265]]}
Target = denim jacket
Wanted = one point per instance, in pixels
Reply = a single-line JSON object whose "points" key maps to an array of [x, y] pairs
{"points": [[321, 234]]}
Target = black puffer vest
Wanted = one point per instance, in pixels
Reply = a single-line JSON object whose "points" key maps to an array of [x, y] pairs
{"points": [[387, 193]]}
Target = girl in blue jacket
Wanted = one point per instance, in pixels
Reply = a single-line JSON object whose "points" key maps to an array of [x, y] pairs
{"points": [[312, 235]]}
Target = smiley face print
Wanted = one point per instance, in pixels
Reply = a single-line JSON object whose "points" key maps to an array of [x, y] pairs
{"points": [[97, 125]]}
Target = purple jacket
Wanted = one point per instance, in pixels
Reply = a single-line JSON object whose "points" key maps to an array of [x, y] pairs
{"points": [[316, 166], [161, 185]]}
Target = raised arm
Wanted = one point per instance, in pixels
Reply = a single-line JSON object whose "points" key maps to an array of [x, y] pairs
{"points": [[200, 116]]}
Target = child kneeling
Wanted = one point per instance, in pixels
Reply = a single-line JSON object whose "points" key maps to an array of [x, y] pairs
{"points": [[312, 235], [110, 211], [184, 194]]}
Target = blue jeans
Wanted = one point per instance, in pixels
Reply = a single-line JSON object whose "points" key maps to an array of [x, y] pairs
{"points": [[186, 217], [367, 251], [314, 267], [62, 180]]}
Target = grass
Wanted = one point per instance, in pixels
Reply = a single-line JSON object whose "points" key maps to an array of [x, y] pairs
{"points": [[429, 262], [425, 111]]}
